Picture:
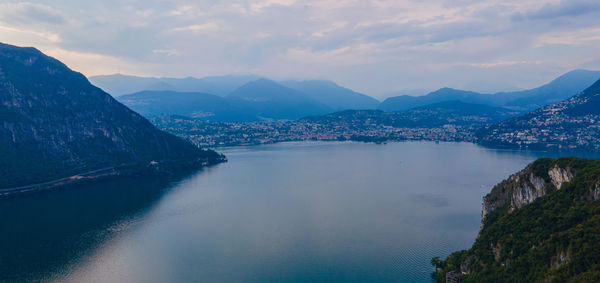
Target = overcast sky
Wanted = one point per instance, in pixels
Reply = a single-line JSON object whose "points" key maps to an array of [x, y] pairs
{"points": [[376, 47]]}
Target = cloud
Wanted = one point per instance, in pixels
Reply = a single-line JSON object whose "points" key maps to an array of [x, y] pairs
{"points": [[570, 8], [259, 6], [33, 35], [498, 64], [168, 52], [210, 26], [24, 13], [374, 46], [571, 37]]}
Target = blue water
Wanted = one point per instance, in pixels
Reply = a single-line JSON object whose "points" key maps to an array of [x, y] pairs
{"points": [[292, 212]]}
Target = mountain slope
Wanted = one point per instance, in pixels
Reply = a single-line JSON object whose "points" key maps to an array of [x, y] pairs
{"points": [[118, 84], [434, 115], [561, 88], [405, 102], [459, 108], [54, 123], [572, 124], [271, 100], [191, 104], [333, 95], [540, 225]]}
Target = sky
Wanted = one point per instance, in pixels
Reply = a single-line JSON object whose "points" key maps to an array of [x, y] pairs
{"points": [[381, 47]]}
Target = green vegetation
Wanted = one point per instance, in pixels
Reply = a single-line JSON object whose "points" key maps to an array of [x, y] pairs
{"points": [[553, 239], [54, 124], [571, 124]]}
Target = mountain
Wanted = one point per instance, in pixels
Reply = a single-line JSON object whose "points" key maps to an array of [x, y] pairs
{"points": [[333, 95], [459, 108], [269, 99], [247, 98], [191, 104], [254, 101], [55, 124], [570, 124], [559, 89], [454, 112], [118, 84], [405, 102], [539, 225]]}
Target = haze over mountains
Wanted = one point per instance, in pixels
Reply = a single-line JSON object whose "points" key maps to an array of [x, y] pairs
{"points": [[558, 89], [118, 84], [54, 124], [572, 124], [253, 101], [249, 98]]}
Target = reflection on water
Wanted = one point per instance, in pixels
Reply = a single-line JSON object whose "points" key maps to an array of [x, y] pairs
{"points": [[296, 212], [43, 233]]}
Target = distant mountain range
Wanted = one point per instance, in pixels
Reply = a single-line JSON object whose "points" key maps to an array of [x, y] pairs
{"points": [[559, 89], [249, 98], [190, 104], [333, 95], [254, 101], [570, 124], [55, 124], [269, 99], [327, 93], [118, 84]]}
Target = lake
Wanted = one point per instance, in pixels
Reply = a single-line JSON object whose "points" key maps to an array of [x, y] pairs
{"points": [[291, 212]]}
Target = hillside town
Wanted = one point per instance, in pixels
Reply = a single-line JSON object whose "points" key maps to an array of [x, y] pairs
{"points": [[556, 126]]}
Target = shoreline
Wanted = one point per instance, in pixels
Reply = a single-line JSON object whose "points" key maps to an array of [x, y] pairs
{"points": [[125, 170], [589, 154]]}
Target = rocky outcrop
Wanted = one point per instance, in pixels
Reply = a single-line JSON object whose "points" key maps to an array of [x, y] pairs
{"points": [[560, 259], [526, 186], [543, 218], [558, 176], [529, 190]]}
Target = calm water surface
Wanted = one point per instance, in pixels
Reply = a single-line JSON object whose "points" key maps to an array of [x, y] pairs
{"points": [[294, 212]]}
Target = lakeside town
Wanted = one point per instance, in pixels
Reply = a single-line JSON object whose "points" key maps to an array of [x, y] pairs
{"points": [[218, 134], [548, 128], [562, 126]]}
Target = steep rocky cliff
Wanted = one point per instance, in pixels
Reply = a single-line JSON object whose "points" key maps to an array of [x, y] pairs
{"points": [[539, 225], [526, 186], [54, 124]]}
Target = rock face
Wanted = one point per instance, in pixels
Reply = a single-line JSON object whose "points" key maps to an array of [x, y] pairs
{"points": [[54, 124], [525, 187], [529, 191], [596, 192], [540, 225]]}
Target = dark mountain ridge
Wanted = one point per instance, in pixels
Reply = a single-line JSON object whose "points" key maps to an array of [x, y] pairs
{"points": [[191, 104], [119, 84], [333, 95], [54, 124], [257, 100], [569, 124], [561, 88], [454, 112], [324, 92], [272, 100]]}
